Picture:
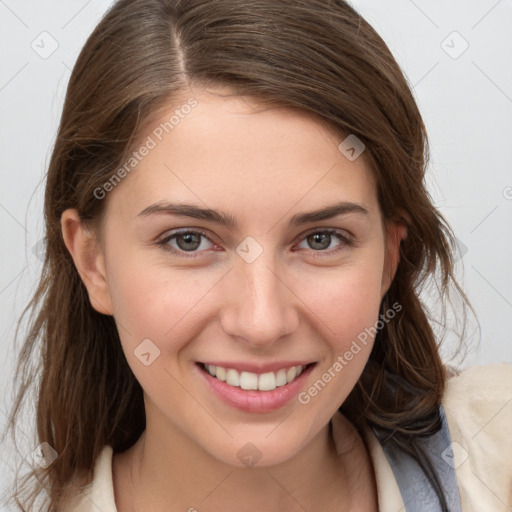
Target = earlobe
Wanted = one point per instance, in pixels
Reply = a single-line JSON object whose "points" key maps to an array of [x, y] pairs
{"points": [[89, 260]]}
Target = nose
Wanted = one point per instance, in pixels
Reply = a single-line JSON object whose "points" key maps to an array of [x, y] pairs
{"points": [[260, 306]]}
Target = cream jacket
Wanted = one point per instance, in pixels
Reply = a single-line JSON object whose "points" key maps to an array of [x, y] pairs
{"points": [[478, 408]]}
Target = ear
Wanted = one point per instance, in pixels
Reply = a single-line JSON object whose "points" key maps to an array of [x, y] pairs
{"points": [[396, 232], [89, 259]]}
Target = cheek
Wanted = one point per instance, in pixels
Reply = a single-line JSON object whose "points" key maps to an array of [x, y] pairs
{"points": [[156, 302], [346, 304], [153, 303], [346, 301]]}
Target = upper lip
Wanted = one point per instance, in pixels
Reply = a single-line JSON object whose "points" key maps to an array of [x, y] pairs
{"points": [[242, 366]]}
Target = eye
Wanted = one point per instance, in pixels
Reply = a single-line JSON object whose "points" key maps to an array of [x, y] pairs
{"points": [[321, 240], [193, 242], [185, 242]]}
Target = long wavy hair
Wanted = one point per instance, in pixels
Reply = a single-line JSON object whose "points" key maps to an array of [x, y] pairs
{"points": [[317, 56]]}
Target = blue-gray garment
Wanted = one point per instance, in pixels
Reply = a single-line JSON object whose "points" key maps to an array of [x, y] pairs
{"points": [[417, 493]]}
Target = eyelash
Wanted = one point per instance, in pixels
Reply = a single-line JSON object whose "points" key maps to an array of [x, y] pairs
{"points": [[346, 241]]}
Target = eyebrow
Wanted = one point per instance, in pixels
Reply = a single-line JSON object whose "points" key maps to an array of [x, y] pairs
{"points": [[227, 220]]}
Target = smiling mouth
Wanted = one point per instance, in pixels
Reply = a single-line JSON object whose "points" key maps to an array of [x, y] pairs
{"points": [[253, 381]]}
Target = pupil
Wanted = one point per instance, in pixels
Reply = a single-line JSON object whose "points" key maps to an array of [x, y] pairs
{"points": [[317, 238], [188, 238]]}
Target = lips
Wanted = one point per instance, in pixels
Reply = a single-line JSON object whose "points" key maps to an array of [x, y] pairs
{"points": [[265, 391]]}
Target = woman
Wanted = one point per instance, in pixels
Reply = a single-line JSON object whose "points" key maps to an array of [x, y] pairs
{"points": [[238, 230]]}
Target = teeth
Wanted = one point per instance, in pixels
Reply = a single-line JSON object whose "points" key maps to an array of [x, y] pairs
{"points": [[281, 378], [291, 373], [267, 381], [232, 377], [248, 380], [252, 381]]}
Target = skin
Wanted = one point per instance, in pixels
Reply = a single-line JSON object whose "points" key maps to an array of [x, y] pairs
{"points": [[262, 167]]}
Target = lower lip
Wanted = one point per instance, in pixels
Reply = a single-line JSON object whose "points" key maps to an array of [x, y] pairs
{"points": [[255, 401]]}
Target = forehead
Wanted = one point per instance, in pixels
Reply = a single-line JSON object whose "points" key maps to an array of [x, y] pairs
{"points": [[214, 149]]}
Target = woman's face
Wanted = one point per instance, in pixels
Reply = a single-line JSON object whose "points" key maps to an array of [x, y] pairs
{"points": [[254, 282]]}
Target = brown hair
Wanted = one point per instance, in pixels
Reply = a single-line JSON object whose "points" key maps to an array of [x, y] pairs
{"points": [[321, 57]]}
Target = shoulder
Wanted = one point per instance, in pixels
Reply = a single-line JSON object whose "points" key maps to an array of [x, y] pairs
{"points": [[478, 401], [478, 407], [480, 396], [85, 493], [482, 379]]}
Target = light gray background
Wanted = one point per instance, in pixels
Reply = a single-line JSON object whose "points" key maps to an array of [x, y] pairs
{"points": [[465, 98]]}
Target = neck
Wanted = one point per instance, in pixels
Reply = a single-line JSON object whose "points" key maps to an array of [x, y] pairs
{"points": [[166, 471]]}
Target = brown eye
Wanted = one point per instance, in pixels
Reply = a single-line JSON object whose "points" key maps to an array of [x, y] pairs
{"points": [[185, 242], [319, 241], [188, 241]]}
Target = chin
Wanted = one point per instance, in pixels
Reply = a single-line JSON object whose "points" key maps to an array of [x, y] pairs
{"points": [[256, 451]]}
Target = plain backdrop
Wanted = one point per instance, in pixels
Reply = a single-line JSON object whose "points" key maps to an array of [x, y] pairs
{"points": [[456, 56]]}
